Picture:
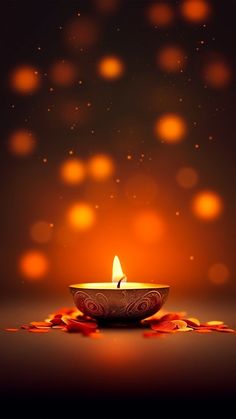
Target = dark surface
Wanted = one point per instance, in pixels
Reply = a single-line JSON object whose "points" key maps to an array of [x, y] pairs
{"points": [[121, 375]]}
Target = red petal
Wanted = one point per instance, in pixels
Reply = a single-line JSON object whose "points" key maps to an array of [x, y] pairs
{"points": [[165, 326], [191, 323], [56, 321], [86, 328]]}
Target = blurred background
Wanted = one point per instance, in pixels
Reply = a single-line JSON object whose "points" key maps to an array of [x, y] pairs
{"points": [[118, 138]]}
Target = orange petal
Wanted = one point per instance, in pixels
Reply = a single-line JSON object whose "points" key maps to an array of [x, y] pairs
{"points": [[214, 323], [192, 321], [41, 324], [227, 330], [166, 327], [184, 329], [180, 324], [86, 328]]}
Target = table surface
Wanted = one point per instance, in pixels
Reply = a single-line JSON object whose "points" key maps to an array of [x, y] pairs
{"points": [[122, 366]]}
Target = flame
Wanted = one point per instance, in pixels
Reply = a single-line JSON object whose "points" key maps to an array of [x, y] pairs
{"points": [[117, 272]]}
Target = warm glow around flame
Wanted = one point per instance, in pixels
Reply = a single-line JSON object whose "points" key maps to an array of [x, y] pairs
{"points": [[117, 272]]}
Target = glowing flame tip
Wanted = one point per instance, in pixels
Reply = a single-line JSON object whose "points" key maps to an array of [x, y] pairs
{"points": [[117, 272]]}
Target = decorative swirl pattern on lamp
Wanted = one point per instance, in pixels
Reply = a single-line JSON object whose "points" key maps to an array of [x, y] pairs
{"points": [[144, 304], [119, 304], [96, 305]]}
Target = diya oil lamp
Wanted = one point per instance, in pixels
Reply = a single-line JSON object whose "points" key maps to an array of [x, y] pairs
{"points": [[119, 300]]}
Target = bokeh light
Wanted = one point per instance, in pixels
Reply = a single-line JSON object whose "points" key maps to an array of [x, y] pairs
{"points": [[81, 216], [141, 189], [110, 67], [63, 73], [33, 265], [21, 143], [170, 128], [187, 177], [81, 32], [171, 59], [25, 79], [160, 14], [196, 11], [218, 273], [217, 74], [100, 167], [41, 232], [148, 226], [72, 171], [207, 205]]}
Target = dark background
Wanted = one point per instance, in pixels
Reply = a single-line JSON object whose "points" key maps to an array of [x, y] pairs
{"points": [[33, 191], [119, 123]]}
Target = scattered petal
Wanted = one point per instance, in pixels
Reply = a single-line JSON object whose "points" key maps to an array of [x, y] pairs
{"points": [[166, 327], [192, 321], [227, 330], [180, 324], [56, 321], [86, 328], [214, 323], [41, 324], [184, 329]]}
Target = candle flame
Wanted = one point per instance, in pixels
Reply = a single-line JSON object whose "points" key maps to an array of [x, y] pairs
{"points": [[117, 272]]}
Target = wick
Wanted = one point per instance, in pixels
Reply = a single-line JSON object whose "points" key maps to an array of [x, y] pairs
{"points": [[119, 282]]}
